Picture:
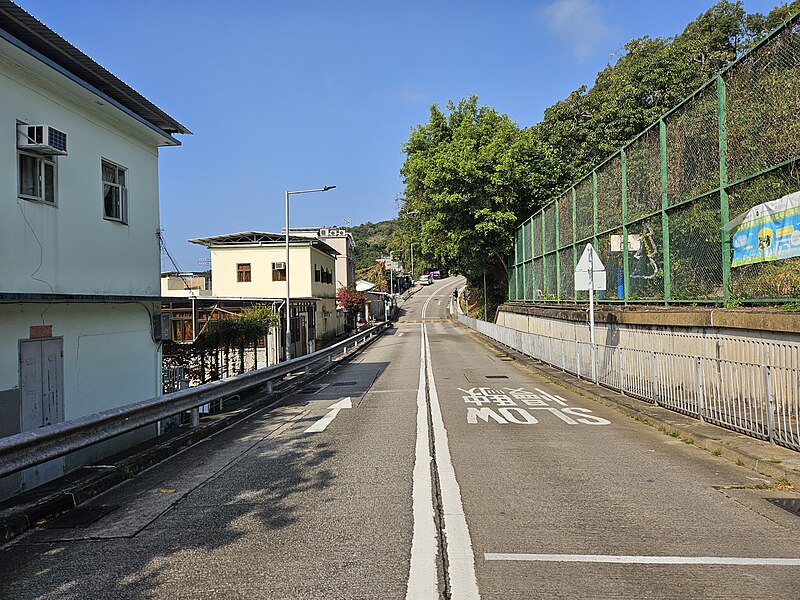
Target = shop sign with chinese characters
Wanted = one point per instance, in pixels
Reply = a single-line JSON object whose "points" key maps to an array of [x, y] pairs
{"points": [[522, 407]]}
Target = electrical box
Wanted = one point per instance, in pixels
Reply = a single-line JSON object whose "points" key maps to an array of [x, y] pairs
{"points": [[162, 327]]}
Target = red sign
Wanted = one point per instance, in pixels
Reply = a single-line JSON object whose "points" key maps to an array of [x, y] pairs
{"points": [[41, 331]]}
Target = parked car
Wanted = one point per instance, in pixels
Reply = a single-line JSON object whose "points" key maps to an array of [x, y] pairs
{"points": [[425, 280]]}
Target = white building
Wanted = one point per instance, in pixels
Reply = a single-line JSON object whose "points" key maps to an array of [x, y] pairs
{"points": [[79, 215]]}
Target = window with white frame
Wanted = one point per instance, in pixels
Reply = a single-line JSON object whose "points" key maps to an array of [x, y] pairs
{"points": [[38, 177], [115, 194]]}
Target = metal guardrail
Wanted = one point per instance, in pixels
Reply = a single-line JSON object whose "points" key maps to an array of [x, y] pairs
{"points": [[30, 448], [759, 400]]}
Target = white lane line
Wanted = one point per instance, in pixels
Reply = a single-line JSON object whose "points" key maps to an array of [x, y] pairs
{"points": [[333, 410], [460, 557], [647, 560], [422, 581], [425, 306]]}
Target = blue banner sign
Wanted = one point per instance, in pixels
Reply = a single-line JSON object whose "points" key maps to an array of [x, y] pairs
{"points": [[769, 231]]}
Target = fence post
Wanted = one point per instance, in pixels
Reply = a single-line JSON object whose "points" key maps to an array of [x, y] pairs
{"points": [[724, 209], [621, 370], [665, 255], [194, 414], [557, 251], [656, 383], [699, 384], [578, 357], [626, 272], [770, 414]]}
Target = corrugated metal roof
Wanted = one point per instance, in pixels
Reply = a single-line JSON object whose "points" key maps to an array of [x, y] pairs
{"points": [[255, 238], [37, 36]]}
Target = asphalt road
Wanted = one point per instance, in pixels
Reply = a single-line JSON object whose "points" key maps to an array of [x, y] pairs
{"points": [[431, 466]]}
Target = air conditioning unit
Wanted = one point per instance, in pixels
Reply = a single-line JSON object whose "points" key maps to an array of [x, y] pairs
{"points": [[162, 327], [324, 232], [279, 266], [41, 139]]}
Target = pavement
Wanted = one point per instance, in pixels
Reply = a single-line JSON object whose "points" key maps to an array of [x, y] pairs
{"points": [[769, 460]]}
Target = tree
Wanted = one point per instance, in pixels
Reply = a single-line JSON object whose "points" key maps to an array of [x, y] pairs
{"points": [[651, 77], [470, 174], [351, 301]]}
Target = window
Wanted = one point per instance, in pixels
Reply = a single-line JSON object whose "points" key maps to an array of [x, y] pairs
{"points": [[243, 272], [279, 271], [115, 194], [317, 276], [37, 177]]}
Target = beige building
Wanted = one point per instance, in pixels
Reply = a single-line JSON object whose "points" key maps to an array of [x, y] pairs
{"points": [[185, 285], [340, 240], [252, 265]]}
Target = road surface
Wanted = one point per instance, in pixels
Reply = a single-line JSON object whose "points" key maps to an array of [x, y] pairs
{"points": [[431, 466]]}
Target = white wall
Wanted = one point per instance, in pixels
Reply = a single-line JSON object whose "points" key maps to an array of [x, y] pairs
{"points": [[71, 248], [110, 358]]}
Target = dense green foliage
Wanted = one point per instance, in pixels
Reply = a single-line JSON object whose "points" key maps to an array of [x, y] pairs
{"points": [[469, 174], [371, 241], [472, 175], [651, 77]]}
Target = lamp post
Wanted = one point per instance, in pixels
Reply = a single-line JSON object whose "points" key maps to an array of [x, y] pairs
{"points": [[391, 273], [412, 263], [288, 296]]}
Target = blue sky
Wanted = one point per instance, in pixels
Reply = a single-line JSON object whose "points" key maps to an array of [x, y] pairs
{"points": [[297, 94]]}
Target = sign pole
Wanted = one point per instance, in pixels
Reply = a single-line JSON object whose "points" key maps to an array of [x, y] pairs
{"points": [[591, 318]]}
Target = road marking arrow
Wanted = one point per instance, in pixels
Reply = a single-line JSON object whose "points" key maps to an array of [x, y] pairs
{"points": [[332, 412]]}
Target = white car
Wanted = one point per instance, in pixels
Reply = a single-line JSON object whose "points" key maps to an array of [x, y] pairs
{"points": [[424, 280]]}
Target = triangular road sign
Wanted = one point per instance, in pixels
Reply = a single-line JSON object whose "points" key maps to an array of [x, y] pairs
{"points": [[583, 263]]}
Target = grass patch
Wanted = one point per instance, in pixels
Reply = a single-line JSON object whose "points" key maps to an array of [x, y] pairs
{"points": [[775, 461], [687, 440], [717, 452], [758, 486], [782, 484], [739, 462]]}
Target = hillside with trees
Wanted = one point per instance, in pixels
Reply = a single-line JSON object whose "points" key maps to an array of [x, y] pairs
{"points": [[371, 240]]}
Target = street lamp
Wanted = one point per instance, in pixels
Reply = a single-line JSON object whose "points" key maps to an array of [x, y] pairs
{"points": [[288, 297], [412, 263], [391, 273]]}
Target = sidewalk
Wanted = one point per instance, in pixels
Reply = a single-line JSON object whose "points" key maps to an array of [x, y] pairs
{"points": [[769, 460]]}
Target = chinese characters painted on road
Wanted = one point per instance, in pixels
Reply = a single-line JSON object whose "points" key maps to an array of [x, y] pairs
{"points": [[518, 405]]}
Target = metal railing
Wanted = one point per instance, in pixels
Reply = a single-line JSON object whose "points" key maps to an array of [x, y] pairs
{"points": [[759, 400], [30, 448], [171, 378]]}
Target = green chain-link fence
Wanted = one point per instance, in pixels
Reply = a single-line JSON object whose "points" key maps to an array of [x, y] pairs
{"points": [[654, 211]]}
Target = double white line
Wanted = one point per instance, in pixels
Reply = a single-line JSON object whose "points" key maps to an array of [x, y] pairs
{"points": [[422, 580]]}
